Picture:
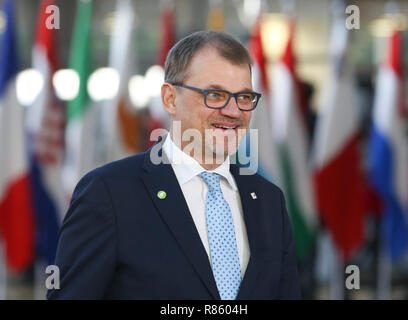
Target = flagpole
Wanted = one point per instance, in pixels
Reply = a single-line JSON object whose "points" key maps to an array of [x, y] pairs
{"points": [[3, 272], [215, 19], [40, 290], [337, 12], [288, 7], [384, 271], [337, 274]]}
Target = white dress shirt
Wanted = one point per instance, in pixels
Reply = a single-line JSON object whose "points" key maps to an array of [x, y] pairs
{"points": [[195, 191]]}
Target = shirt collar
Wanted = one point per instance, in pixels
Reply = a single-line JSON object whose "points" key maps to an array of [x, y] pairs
{"points": [[186, 167]]}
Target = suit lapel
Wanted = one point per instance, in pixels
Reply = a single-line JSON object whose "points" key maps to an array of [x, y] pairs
{"points": [[175, 213], [250, 208]]}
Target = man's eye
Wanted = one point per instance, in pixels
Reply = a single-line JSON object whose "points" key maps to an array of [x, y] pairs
{"points": [[245, 97], [214, 95]]}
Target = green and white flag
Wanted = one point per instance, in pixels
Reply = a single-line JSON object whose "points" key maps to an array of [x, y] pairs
{"points": [[80, 135], [290, 135]]}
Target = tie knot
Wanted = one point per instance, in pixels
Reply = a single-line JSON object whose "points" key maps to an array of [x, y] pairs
{"points": [[211, 179]]}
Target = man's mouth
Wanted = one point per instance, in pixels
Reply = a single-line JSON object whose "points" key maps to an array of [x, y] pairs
{"points": [[225, 126]]}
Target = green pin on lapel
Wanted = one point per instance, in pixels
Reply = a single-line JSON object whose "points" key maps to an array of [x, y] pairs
{"points": [[161, 194]]}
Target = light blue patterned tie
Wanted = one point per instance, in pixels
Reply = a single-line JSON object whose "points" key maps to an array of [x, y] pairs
{"points": [[221, 236]]}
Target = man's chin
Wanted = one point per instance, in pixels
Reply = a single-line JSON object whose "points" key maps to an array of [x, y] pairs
{"points": [[219, 144], [219, 152]]}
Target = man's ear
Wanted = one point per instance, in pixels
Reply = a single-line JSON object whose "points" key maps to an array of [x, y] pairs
{"points": [[168, 94]]}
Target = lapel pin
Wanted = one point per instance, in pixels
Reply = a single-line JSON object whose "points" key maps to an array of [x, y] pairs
{"points": [[253, 195], [161, 194]]}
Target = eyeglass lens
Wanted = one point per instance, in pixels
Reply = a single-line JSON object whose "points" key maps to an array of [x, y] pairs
{"points": [[218, 99]]}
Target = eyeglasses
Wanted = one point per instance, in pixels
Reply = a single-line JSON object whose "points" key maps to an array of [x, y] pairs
{"points": [[219, 98]]}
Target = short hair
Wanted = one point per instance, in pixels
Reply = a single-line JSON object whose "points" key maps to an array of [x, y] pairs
{"points": [[180, 55]]}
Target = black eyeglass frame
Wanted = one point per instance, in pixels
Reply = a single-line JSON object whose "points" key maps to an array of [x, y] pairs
{"points": [[230, 94]]}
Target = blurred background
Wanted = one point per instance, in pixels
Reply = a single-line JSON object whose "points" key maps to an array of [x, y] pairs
{"points": [[80, 84]]}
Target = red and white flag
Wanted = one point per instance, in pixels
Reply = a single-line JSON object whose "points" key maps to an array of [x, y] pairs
{"points": [[45, 122], [16, 206], [157, 118], [339, 180], [290, 134], [261, 118], [167, 31]]}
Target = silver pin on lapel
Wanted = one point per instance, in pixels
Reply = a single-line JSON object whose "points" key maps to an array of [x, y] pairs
{"points": [[253, 195]]}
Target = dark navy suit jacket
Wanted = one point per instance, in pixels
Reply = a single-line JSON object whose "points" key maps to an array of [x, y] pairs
{"points": [[119, 240]]}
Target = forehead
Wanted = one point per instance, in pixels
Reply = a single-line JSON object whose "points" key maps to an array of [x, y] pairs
{"points": [[207, 67]]}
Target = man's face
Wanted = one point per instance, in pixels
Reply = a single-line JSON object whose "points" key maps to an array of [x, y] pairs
{"points": [[208, 70]]}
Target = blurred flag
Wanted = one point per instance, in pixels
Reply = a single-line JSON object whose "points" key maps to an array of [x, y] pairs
{"points": [[339, 181], [45, 124], [290, 134], [261, 119], [16, 207], [167, 31], [121, 119], [215, 20], [82, 117], [157, 117], [388, 149]]}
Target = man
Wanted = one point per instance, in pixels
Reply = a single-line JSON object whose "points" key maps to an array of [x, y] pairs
{"points": [[139, 228]]}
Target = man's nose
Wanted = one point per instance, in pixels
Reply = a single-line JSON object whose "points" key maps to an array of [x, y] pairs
{"points": [[231, 109]]}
